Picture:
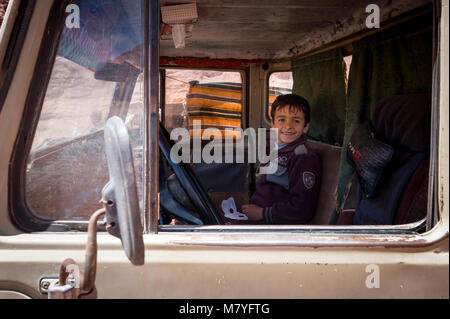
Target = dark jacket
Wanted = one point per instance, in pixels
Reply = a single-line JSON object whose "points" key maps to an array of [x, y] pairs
{"points": [[290, 195]]}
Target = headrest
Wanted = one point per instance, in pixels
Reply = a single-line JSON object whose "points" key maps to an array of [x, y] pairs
{"points": [[404, 121]]}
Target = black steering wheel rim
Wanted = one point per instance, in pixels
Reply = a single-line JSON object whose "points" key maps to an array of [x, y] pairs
{"points": [[189, 182]]}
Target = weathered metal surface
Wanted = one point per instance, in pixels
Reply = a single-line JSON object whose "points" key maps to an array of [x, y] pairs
{"points": [[268, 29], [84, 281], [90, 263], [62, 289], [237, 272], [151, 116], [165, 61]]}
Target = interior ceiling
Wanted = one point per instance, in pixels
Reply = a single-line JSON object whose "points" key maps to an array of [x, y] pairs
{"points": [[267, 29]]}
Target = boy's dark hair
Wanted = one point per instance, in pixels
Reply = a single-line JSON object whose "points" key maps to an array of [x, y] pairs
{"points": [[295, 102]]}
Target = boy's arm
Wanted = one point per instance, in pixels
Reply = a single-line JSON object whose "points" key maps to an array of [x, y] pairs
{"points": [[304, 188]]}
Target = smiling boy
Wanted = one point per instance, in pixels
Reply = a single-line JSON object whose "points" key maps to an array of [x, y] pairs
{"points": [[290, 195]]}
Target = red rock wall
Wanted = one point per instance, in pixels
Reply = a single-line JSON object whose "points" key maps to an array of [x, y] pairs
{"points": [[3, 5]]}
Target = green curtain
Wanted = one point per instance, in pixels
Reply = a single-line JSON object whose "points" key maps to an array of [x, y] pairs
{"points": [[395, 61], [320, 79]]}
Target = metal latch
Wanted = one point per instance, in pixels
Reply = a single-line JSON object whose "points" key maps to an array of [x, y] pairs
{"points": [[46, 282], [73, 283]]}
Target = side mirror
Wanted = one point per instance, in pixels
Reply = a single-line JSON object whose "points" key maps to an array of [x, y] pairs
{"points": [[123, 218], [120, 194]]}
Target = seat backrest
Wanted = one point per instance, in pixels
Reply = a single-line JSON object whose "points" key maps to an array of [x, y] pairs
{"points": [[403, 121], [413, 205], [330, 157]]}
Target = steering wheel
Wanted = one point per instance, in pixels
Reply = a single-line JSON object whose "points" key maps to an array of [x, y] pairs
{"points": [[190, 185], [172, 206]]}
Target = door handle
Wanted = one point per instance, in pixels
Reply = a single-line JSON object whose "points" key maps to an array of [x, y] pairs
{"points": [[84, 282]]}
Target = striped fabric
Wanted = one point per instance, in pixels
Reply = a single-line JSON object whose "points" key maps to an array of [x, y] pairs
{"points": [[216, 105]]}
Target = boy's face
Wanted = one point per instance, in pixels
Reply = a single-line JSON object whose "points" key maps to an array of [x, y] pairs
{"points": [[290, 124]]}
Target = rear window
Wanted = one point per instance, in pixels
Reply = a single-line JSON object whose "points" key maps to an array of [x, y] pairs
{"points": [[280, 83], [212, 97]]}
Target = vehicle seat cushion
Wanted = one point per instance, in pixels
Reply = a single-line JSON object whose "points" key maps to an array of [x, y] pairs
{"points": [[345, 218], [413, 205], [404, 121], [369, 157], [382, 209], [223, 177]]}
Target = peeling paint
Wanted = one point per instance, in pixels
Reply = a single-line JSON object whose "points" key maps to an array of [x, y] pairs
{"points": [[274, 31]]}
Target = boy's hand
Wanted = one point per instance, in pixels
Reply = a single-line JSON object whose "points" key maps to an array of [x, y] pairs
{"points": [[253, 212]]}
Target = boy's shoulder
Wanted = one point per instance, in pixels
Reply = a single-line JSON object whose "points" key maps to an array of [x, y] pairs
{"points": [[300, 149], [301, 157], [303, 153]]}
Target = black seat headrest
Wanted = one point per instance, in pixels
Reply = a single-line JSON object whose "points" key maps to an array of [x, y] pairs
{"points": [[404, 121]]}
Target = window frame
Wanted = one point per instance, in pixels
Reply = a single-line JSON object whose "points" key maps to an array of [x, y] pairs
{"points": [[401, 235], [411, 229], [315, 236], [277, 67], [21, 214], [16, 40]]}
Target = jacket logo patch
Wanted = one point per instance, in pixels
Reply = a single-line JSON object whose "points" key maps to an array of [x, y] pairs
{"points": [[309, 180], [282, 160]]}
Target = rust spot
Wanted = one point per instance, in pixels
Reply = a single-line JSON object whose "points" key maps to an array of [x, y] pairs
{"points": [[201, 62]]}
